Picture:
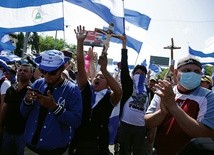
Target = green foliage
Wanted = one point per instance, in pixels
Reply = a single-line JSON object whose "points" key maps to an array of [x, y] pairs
{"points": [[162, 74], [34, 41], [208, 70], [48, 42], [19, 44]]}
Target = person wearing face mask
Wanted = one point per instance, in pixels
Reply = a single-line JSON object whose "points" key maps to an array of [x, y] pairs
{"points": [[182, 112], [134, 102]]}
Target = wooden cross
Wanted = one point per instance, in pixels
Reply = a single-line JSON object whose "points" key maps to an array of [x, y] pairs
{"points": [[109, 33], [172, 47]]}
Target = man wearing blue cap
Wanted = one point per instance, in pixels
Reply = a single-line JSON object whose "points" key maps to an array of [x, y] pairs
{"points": [[53, 106]]}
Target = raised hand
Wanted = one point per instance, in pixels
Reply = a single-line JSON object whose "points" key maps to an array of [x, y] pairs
{"points": [[81, 33], [103, 61]]}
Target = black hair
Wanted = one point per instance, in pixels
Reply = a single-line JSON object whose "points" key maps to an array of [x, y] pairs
{"points": [[141, 67]]}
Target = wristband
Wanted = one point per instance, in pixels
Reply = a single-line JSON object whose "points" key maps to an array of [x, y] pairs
{"points": [[28, 103]]}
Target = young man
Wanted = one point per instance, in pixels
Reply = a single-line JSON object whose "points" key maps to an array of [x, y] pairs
{"points": [[99, 99], [182, 112], [10, 117], [134, 103], [53, 107]]}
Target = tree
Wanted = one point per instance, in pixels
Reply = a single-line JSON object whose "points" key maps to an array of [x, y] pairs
{"points": [[34, 41], [48, 42], [19, 44]]}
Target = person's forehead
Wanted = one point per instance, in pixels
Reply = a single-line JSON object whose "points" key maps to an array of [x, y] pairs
{"points": [[24, 67], [190, 66]]}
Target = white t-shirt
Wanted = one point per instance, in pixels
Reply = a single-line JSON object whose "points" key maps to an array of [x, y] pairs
{"points": [[5, 85]]}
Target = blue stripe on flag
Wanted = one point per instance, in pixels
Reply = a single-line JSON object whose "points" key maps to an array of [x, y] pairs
{"points": [[144, 63], [141, 84], [155, 68], [5, 43], [31, 16], [131, 42], [52, 25], [131, 16], [137, 18], [113, 124], [102, 11], [26, 3], [200, 54]]}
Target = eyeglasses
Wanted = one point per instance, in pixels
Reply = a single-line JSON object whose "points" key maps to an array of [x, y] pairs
{"points": [[52, 73]]}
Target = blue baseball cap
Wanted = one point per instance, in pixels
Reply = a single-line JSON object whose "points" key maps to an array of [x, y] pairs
{"points": [[4, 65], [51, 60]]}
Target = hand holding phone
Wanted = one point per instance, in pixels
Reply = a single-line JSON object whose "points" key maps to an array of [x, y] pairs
{"points": [[34, 90]]}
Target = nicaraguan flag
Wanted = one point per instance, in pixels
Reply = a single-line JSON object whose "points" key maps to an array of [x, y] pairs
{"points": [[113, 124], [144, 63], [31, 15], [5, 43], [155, 68], [205, 58], [131, 42], [112, 11], [109, 11]]}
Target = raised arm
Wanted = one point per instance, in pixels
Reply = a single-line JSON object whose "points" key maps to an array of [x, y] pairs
{"points": [[92, 63], [81, 73], [112, 83]]}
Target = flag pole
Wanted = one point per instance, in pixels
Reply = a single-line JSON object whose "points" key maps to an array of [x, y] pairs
{"points": [[63, 13], [136, 59], [124, 29], [55, 39]]}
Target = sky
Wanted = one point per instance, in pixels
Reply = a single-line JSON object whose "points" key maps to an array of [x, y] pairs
{"points": [[189, 23]]}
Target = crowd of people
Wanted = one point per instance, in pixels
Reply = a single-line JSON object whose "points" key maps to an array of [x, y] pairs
{"points": [[64, 107]]}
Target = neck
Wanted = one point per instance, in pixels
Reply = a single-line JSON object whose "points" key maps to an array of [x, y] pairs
{"points": [[59, 81], [21, 85]]}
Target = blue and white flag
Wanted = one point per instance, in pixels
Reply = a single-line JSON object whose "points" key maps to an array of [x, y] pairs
{"points": [[114, 12], [31, 15], [113, 124], [131, 42], [144, 63], [205, 58], [5, 43], [109, 11], [155, 68]]}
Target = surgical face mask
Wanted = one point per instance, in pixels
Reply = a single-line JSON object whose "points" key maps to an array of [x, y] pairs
{"points": [[189, 80]]}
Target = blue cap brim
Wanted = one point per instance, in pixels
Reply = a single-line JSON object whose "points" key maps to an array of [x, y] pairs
{"points": [[49, 69]]}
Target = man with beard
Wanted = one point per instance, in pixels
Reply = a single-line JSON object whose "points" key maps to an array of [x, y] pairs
{"points": [[99, 99], [11, 119], [53, 107]]}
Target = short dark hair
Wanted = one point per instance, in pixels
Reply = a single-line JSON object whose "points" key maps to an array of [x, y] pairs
{"points": [[141, 67], [28, 65]]}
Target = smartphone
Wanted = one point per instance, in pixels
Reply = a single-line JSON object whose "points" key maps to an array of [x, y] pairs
{"points": [[35, 90]]}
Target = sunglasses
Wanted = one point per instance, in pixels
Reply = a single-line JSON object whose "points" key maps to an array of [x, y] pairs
{"points": [[52, 73]]}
